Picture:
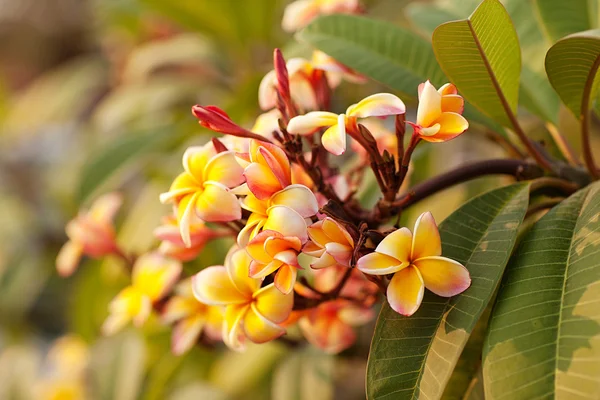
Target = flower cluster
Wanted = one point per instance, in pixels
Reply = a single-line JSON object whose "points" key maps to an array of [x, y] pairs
{"points": [[306, 252]]}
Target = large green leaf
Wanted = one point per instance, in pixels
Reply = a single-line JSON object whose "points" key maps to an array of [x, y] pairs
{"points": [[544, 336], [413, 357], [572, 67], [481, 56], [392, 55], [385, 52], [561, 18], [115, 155]]}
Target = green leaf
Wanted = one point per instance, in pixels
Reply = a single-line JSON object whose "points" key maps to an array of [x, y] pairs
{"points": [[413, 357], [572, 67], [544, 336], [115, 155], [481, 56], [385, 52], [561, 18], [538, 96], [389, 54]]}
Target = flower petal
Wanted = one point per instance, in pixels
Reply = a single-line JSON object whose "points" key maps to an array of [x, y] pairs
{"points": [[273, 304], [451, 125], [233, 334], [377, 105], [224, 168], [179, 307], [195, 159], [397, 244], [259, 271], [379, 264], [443, 276], [259, 329], [286, 278], [405, 291], [154, 274], [68, 258], [324, 261], [336, 232], [341, 253], [274, 158], [308, 123], [267, 96], [334, 138], [237, 264], [185, 334], [299, 13], [212, 286], [453, 103], [105, 207], [256, 247], [287, 222], [261, 181], [447, 89], [185, 215], [430, 106], [217, 204], [426, 238], [297, 197]]}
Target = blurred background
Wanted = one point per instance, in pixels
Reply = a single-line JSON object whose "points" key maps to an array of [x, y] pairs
{"points": [[95, 96]]}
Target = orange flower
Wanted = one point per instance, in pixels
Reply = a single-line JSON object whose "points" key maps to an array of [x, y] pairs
{"points": [[202, 191], [416, 262], [330, 242], [268, 170], [271, 251], [251, 311], [90, 233], [439, 116]]}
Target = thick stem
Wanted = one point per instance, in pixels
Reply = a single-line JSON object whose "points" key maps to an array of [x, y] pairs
{"points": [[517, 168], [588, 156]]}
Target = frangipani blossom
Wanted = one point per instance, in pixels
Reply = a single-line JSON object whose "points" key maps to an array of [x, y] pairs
{"points": [[152, 277], [251, 311], [439, 113], [285, 212], [90, 233], [271, 251], [267, 123], [268, 170], [191, 318], [172, 245], [300, 12], [202, 191], [329, 326], [334, 138], [334, 70], [416, 262], [330, 242]]}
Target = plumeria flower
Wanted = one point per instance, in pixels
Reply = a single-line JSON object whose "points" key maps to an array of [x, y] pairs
{"points": [[334, 70], [299, 13], [191, 318], [202, 191], [267, 123], [90, 233], [416, 262], [271, 251], [152, 277], [334, 138], [268, 170], [330, 242], [172, 245], [251, 311], [439, 113], [329, 326], [285, 212]]}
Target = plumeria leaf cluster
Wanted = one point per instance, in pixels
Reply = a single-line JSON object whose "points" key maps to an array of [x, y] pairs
{"points": [[498, 299]]}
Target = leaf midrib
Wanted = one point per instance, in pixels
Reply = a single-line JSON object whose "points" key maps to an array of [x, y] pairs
{"points": [[422, 367]]}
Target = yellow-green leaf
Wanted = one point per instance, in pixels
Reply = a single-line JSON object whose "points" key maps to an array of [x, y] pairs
{"points": [[561, 18], [572, 67], [481, 56], [544, 335], [413, 357]]}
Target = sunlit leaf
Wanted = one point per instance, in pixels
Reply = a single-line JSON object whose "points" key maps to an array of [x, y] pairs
{"points": [[544, 335], [415, 356], [572, 67], [481, 56], [561, 18]]}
